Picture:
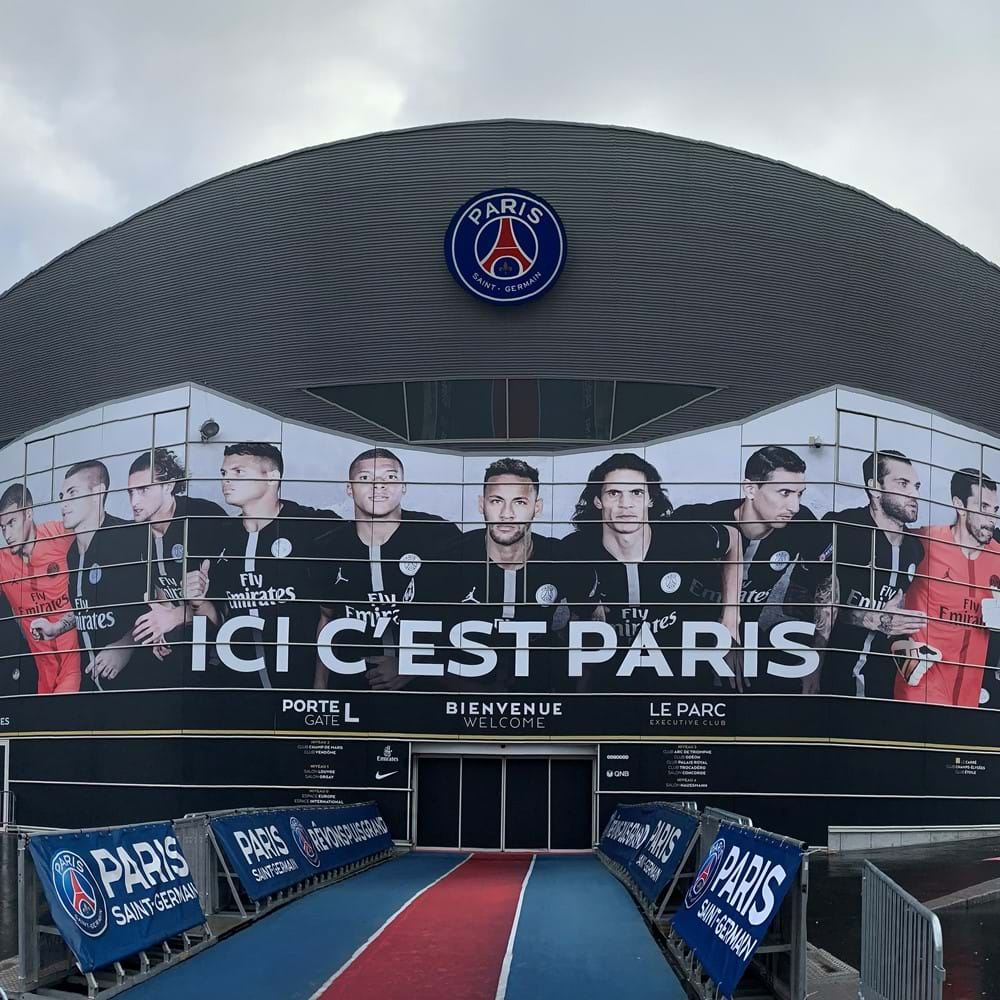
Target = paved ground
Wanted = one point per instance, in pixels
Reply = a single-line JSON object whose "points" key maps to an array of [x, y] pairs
{"points": [[971, 936], [427, 926]]}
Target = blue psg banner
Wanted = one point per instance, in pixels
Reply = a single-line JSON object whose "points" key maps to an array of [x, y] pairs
{"points": [[648, 840], [115, 892], [273, 850], [736, 892], [626, 830], [657, 859]]}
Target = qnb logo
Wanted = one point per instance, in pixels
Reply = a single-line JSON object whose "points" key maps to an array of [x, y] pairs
{"points": [[77, 890], [705, 873], [303, 843], [506, 246]]}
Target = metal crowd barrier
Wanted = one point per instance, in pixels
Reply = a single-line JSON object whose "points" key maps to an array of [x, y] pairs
{"points": [[44, 960], [902, 954]]}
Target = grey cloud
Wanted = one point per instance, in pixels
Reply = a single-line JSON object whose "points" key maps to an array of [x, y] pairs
{"points": [[130, 103]]}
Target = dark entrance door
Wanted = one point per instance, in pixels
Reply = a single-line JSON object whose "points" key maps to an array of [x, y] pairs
{"points": [[505, 803], [526, 804], [482, 800], [438, 789], [572, 804]]}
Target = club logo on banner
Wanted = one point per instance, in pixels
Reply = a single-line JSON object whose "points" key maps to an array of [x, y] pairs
{"points": [[302, 841], [115, 892], [77, 890], [266, 849], [739, 887], [505, 246], [705, 873]]}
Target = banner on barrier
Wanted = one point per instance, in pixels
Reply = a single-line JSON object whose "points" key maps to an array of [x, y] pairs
{"points": [[648, 840], [272, 850], [116, 892], [736, 892]]}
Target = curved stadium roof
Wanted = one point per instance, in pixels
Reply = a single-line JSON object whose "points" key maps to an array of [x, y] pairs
{"points": [[688, 263]]}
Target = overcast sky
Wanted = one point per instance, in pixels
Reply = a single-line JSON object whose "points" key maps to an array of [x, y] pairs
{"points": [[108, 106]]}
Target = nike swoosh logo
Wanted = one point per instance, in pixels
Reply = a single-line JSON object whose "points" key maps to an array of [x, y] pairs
{"points": [[388, 774]]}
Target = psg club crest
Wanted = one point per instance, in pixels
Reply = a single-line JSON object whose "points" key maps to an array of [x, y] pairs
{"points": [[79, 894], [506, 246], [705, 873], [303, 843]]}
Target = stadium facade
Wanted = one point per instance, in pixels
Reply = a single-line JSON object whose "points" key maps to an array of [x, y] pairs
{"points": [[311, 495]]}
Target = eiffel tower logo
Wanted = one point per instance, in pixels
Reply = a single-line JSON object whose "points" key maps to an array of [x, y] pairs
{"points": [[506, 259], [83, 902]]}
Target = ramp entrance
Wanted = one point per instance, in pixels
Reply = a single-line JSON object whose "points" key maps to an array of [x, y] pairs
{"points": [[504, 803]]}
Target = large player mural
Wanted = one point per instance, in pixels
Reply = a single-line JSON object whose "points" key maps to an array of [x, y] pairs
{"points": [[842, 544]]}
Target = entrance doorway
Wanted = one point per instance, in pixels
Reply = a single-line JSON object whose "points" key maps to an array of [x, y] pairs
{"points": [[510, 803]]}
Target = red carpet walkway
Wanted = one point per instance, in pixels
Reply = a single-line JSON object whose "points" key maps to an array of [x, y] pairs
{"points": [[450, 941]]}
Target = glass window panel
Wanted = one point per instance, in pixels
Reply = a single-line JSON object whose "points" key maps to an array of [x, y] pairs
{"points": [[39, 455], [637, 403], [457, 409], [382, 403], [171, 427]]}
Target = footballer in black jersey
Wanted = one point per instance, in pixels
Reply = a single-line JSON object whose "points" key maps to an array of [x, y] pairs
{"points": [[653, 577], [177, 524], [107, 584], [262, 586], [379, 568], [505, 591], [868, 563], [776, 531]]}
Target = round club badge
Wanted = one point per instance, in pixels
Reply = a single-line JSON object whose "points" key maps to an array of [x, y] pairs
{"points": [[409, 564], [705, 873], [280, 548], [79, 894], [670, 583], [95, 574], [779, 561], [546, 594], [505, 246], [177, 552], [302, 841]]}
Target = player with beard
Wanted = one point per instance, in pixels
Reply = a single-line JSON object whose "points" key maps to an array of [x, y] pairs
{"points": [[261, 566], [157, 493], [859, 603], [652, 574], [958, 585], [775, 530], [107, 567], [35, 582], [508, 576], [379, 567]]}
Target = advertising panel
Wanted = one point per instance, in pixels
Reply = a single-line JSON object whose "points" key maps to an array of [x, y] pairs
{"points": [[838, 545], [270, 851], [648, 841], [113, 893], [733, 898]]}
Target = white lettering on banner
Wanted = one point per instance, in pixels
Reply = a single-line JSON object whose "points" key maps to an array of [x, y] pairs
{"points": [[320, 711], [260, 843], [663, 841], [500, 715], [748, 882], [145, 864], [165, 899], [628, 833], [687, 709], [416, 647]]}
